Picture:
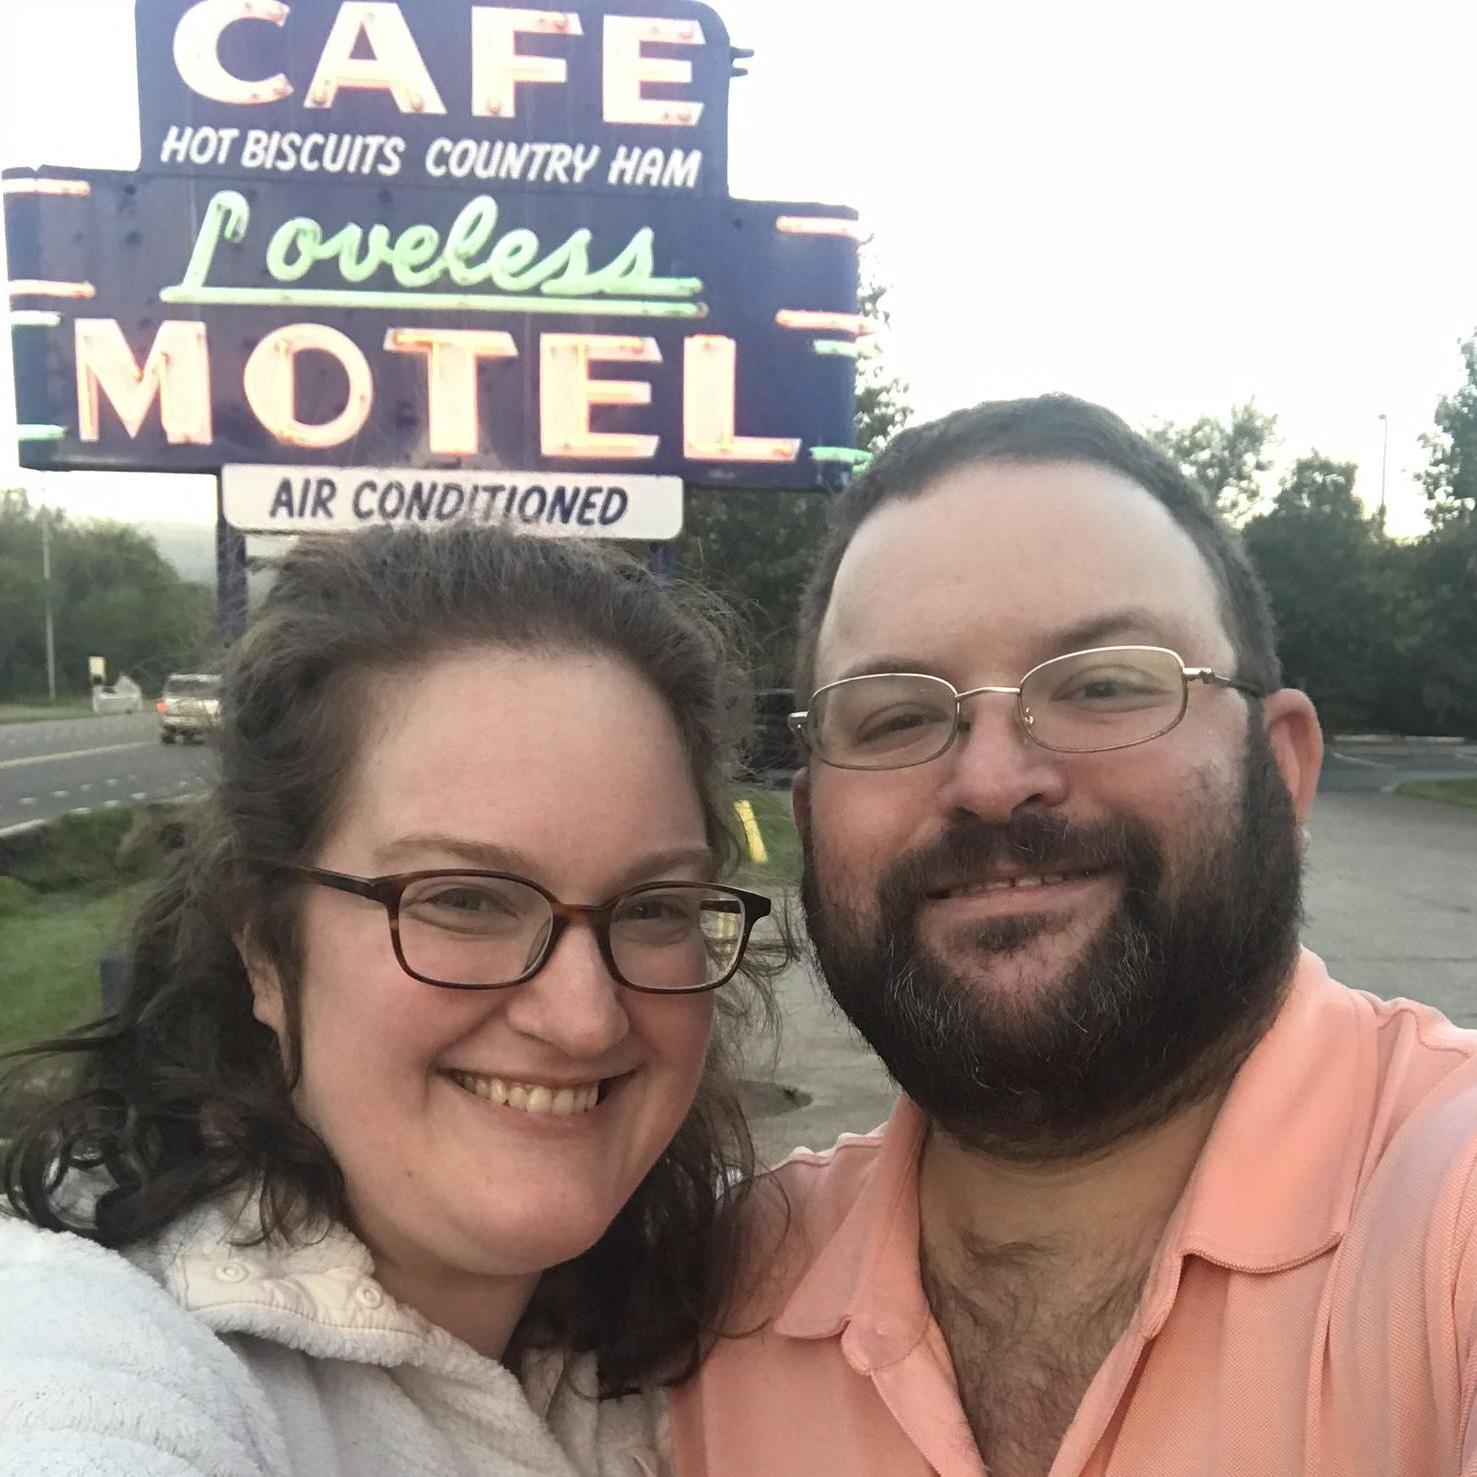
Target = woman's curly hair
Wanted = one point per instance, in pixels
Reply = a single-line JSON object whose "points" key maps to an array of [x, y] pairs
{"points": [[181, 1095]]}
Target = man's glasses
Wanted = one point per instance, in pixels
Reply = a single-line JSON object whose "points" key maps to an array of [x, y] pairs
{"points": [[468, 930], [1085, 702]]}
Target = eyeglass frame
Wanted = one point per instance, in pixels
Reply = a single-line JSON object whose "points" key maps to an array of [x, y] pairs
{"points": [[798, 722], [390, 889]]}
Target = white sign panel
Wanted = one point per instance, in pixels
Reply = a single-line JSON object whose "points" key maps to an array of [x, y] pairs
{"points": [[275, 499]]}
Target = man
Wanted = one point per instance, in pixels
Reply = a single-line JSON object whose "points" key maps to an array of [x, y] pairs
{"points": [[1160, 1197]]}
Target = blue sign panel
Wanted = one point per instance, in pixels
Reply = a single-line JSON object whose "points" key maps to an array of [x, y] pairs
{"points": [[436, 236], [595, 97]]}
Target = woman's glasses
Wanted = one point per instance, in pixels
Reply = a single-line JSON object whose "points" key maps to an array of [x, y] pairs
{"points": [[470, 930]]}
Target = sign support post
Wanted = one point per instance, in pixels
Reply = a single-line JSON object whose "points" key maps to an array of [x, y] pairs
{"points": [[230, 576]]}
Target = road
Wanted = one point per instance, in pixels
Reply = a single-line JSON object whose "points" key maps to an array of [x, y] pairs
{"points": [[1355, 764], [1391, 904], [48, 769]]}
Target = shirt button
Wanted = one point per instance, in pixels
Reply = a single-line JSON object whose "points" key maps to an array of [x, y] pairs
{"points": [[369, 1295], [231, 1272]]}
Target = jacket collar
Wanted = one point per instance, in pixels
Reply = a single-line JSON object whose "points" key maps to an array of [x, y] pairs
{"points": [[316, 1294], [1273, 1187]]}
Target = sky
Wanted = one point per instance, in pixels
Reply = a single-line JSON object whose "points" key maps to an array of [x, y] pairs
{"points": [[1169, 208]]}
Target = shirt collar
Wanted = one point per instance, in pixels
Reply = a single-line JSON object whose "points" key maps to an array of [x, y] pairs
{"points": [[864, 1283], [1275, 1182], [1273, 1186]]}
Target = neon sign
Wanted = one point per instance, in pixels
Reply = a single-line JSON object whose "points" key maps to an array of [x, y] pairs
{"points": [[209, 310]]}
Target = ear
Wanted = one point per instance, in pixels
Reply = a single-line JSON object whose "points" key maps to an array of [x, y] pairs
{"points": [[1296, 738], [266, 989], [800, 802]]}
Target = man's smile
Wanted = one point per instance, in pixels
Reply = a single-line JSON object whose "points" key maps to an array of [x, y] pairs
{"points": [[1015, 892]]}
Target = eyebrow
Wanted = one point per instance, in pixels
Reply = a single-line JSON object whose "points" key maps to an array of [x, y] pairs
{"points": [[1129, 620], [486, 855], [1132, 620]]}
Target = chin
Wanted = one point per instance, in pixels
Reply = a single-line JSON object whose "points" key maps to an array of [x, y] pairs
{"points": [[1027, 961], [542, 1237]]}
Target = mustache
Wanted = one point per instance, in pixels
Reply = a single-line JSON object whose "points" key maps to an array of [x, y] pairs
{"points": [[1040, 840]]}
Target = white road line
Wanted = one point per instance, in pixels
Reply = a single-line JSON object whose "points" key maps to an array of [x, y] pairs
{"points": [[84, 787], [110, 782], [23, 826], [139, 795], [70, 754], [1368, 763], [28, 799], [60, 794]]}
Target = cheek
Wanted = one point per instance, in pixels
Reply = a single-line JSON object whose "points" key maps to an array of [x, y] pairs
{"points": [[365, 1021], [676, 1032], [860, 824]]}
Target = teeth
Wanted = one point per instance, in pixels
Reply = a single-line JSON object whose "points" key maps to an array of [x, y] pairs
{"points": [[1005, 884], [533, 1098]]}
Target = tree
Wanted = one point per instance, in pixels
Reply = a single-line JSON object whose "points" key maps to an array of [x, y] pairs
{"points": [[1225, 459], [1321, 560], [1451, 479], [756, 548], [112, 594], [1443, 565], [882, 408]]}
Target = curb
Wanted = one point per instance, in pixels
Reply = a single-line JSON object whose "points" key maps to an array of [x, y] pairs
{"points": [[1400, 740]]}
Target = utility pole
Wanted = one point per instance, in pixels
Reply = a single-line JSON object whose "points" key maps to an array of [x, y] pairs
{"points": [[1384, 461], [46, 581]]}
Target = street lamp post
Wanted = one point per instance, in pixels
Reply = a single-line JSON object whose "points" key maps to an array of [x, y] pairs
{"points": [[46, 582]]}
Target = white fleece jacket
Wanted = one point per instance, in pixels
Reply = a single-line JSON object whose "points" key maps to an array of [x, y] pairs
{"points": [[196, 1358]]}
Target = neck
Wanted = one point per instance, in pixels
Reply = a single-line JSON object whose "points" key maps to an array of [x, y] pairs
{"points": [[1110, 1207], [481, 1310]]}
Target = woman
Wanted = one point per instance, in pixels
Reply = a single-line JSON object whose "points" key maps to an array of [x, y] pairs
{"points": [[391, 1113]]}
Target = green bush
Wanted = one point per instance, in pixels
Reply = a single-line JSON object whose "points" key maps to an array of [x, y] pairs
{"points": [[15, 897], [93, 849]]}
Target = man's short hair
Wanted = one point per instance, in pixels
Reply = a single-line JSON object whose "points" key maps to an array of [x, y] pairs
{"points": [[1046, 428]]}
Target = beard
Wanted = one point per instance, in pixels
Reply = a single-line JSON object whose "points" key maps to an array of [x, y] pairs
{"points": [[1158, 1012]]}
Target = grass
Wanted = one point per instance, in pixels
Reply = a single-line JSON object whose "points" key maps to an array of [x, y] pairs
{"points": [[40, 710], [67, 894], [1453, 792], [781, 844], [51, 947]]}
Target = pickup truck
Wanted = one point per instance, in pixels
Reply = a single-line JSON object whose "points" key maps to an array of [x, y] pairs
{"points": [[189, 707]]}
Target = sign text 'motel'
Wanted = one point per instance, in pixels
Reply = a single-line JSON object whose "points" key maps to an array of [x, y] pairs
{"points": [[433, 237]]}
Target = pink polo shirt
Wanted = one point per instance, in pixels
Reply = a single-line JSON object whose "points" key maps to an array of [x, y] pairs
{"points": [[1310, 1311]]}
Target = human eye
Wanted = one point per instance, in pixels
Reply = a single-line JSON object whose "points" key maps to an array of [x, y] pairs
{"points": [[466, 903], [660, 913], [1110, 687], [897, 724]]}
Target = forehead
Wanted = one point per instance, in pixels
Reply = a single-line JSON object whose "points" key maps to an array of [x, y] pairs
{"points": [[571, 760], [998, 562]]}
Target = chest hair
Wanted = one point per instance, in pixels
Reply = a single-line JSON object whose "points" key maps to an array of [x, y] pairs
{"points": [[1025, 1342]]}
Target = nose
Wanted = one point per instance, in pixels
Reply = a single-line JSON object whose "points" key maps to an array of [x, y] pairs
{"points": [[572, 1003], [993, 768]]}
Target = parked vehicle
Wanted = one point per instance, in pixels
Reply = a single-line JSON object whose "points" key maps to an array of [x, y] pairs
{"points": [[189, 707], [124, 696], [772, 751]]}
